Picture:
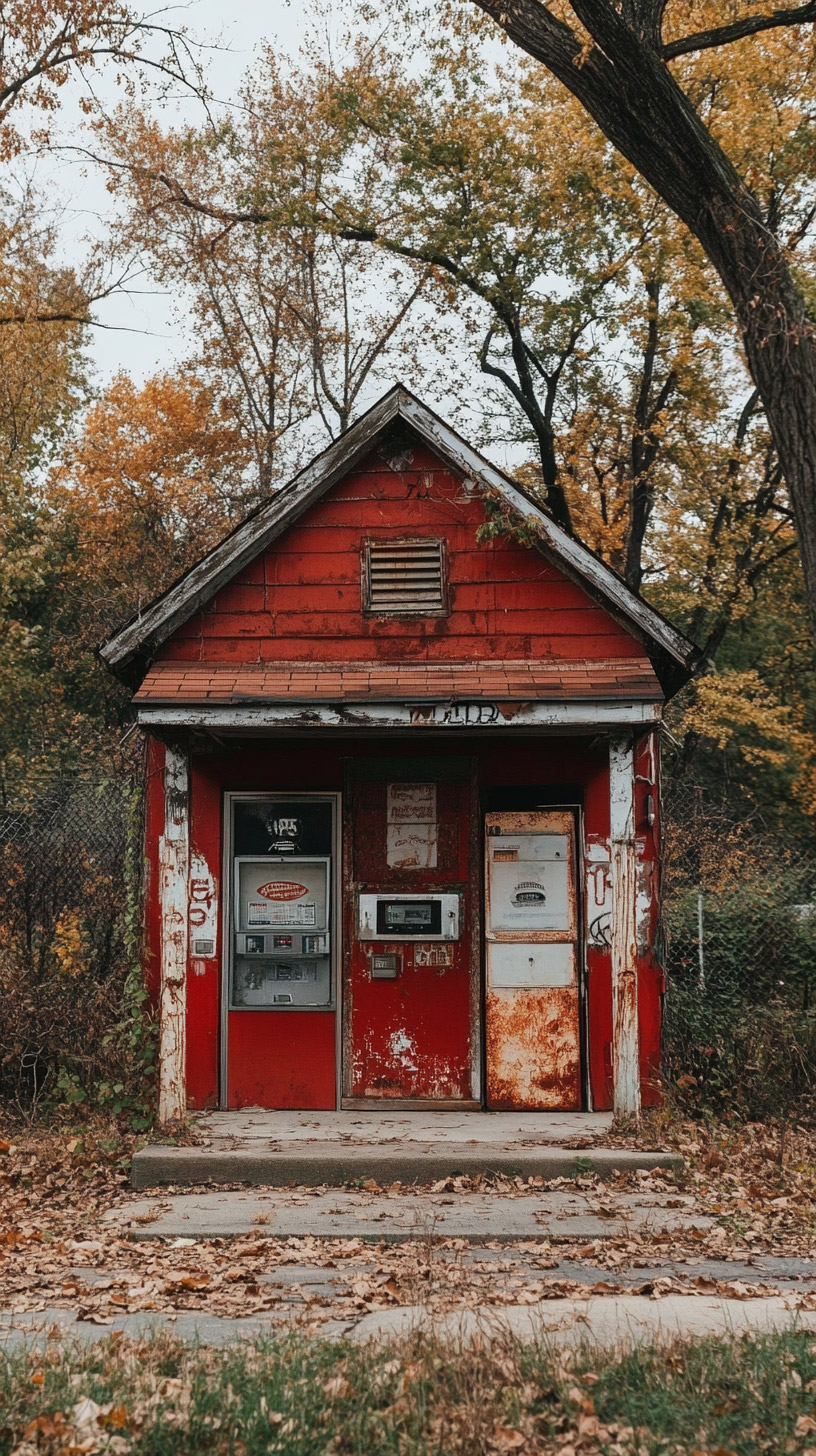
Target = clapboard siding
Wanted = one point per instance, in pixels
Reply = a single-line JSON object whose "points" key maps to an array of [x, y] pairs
{"points": [[301, 599]]}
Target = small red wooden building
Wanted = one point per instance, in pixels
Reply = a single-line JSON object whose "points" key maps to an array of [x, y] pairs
{"points": [[402, 807]]}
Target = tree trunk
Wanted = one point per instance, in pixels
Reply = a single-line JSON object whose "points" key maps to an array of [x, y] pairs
{"points": [[626, 86]]}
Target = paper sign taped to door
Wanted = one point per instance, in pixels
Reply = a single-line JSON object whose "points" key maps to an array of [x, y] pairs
{"points": [[411, 846], [411, 804]]}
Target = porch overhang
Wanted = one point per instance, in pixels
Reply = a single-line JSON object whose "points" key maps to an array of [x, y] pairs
{"points": [[366, 696]]}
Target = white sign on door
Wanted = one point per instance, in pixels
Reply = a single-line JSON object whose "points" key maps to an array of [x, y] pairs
{"points": [[411, 826]]}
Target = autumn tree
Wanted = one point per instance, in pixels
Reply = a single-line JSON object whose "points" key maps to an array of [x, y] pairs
{"points": [[601, 320], [156, 476], [142, 486], [43, 44], [292, 325], [643, 71], [585, 299], [43, 385]]}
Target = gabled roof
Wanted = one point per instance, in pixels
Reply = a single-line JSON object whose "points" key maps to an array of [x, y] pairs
{"points": [[130, 650]]}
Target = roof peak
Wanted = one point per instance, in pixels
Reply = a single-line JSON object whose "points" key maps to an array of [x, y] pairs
{"points": [[128, 651]]}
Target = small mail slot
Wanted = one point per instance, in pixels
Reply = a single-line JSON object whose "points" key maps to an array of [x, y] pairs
{"points": [[384, 967]]}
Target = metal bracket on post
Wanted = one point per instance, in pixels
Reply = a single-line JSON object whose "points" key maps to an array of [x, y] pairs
{"points": [[625, 1036], [174, 870]]}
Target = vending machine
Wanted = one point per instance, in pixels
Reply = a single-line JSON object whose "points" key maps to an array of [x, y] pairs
{"points": [[281, 930], [282, 954], [532, 1017]]}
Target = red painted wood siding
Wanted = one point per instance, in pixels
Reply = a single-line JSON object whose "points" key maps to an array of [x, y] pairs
{"points": [[301, 599]]}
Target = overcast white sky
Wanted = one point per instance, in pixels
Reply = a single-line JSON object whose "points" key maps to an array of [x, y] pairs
{"points": [[140, 335]]}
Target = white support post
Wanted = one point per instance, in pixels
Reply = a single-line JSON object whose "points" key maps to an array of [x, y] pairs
{"points": [[625, 1038], [174, 869]]}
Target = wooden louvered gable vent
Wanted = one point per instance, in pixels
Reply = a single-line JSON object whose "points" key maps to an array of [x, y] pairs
{"points": [[405, 576]]}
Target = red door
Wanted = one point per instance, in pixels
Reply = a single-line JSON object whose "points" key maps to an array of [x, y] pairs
{"points": [[409, 1004]]}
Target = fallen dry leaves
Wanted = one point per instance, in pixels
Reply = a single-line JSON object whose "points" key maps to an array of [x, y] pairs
{"points": [[55, 1251]]}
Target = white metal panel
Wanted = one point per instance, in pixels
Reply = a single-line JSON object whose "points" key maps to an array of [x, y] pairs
{"points": [[529, 895], [367, 917], [271, 893], [506, 848], [549, 964]]}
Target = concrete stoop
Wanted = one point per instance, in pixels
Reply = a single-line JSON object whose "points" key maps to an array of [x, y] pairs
{"points": [[407, 1215], [316, 1162]]}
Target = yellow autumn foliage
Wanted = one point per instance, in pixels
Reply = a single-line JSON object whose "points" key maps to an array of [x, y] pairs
{"points": [[69, 944], [737, 714]]}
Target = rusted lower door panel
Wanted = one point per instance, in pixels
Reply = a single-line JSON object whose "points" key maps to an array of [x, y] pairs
{"points": [[532, 1018], [533, 1050], [408, 1035]]}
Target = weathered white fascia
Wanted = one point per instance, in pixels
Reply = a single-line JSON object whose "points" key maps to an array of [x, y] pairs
{"points": [[478, 716]]}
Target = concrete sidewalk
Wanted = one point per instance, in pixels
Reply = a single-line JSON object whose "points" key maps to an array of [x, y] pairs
{"points": [[478, 1218], [613, 1321], [279, 1148], [609, 1321]]}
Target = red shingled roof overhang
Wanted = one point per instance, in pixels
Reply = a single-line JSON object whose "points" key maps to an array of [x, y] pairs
{"points": [[553, 681]]}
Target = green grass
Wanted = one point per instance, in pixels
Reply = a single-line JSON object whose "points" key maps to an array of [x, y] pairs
{"points": [[311, 1398]]}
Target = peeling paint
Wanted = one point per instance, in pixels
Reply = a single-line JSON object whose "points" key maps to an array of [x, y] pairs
{"points": [[646, 904], [408, 1037], [625, 1034], [403, 1050], [533, 1050], [598, 879], [174, 857], [203, 913], [269, 717], [532, 1000]]}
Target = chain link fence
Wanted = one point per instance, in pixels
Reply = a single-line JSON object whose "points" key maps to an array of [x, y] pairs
{"points": [[66, 895], [739, 927]]}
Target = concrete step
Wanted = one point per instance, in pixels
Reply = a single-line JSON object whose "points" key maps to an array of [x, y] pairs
{"points": [[479, 1218], [316, 1162]]}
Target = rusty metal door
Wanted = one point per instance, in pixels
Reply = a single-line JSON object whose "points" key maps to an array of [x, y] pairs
{"points": [[410, 1003], [532, 1020]]}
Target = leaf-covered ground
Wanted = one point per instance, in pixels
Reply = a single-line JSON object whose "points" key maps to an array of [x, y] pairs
{"points": [[55, 1250], [724, 1397]]}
